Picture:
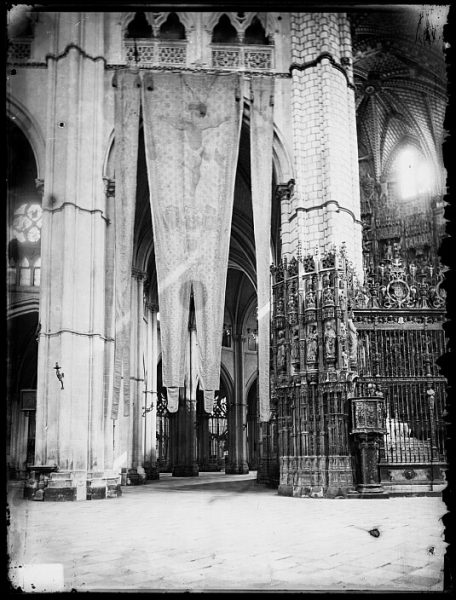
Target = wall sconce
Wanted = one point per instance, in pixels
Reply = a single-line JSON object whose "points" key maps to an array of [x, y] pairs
{"points": [[147, 409], [59, 375]]}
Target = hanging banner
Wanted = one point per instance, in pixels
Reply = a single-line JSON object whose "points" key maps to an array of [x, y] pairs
{"points": [[126, 120], [191, 129], [261, 138]]}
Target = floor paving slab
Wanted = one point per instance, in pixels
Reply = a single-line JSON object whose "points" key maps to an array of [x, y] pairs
{"points": [[227, 532]]}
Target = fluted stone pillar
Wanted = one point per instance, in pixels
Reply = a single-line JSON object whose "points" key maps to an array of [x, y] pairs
{"points": [[137, 380], [237, 416], [203, 441], [326, 198], [184, 422], [70, 432], [150, 403]]}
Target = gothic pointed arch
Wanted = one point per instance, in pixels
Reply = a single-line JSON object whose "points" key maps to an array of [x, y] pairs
{"points": [[172, 28], [224, 32], [30, 127], [255, 33], [138, 27]]}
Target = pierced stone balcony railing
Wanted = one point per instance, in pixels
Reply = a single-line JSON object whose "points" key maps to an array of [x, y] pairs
{"points": [[19, 49], [148, 52], [236, 57]]}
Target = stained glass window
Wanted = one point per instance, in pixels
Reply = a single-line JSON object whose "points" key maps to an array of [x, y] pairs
{"points": [[26, 225]]}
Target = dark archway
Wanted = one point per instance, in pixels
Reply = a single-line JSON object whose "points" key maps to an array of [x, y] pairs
{"points": [[24, 248], [252, 427]]}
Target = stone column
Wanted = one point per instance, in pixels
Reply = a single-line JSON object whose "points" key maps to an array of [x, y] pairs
{"points": [[324, 135], [323, 217], [109, 321], [237, 415], [150, 404], [203, 441], [185, 461], [70, 421], [136, 471]]}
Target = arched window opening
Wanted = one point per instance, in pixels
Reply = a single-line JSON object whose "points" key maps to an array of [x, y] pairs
{"points": [[255, 33], [24, 209], [172, 28], [252, 426], [227, 330], [162, 431], [37, 273], [12, 273], [413, 174], [218, 430], [252, 330], [224, 32], [139, 27], [24, 272]]}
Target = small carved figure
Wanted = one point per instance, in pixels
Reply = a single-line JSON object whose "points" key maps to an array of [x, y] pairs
{"points": [[328, 295], [292, 302], [280, 306], [352, 339], [281, 354], [342, 330], [330, 340], [344, 357], [342, 301], [295, 348], [310, 298], [312, 345]]}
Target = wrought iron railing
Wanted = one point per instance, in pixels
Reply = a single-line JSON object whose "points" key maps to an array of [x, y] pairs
{"points": [[398, 317]]}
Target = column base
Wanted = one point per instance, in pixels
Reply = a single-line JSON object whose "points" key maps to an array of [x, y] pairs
{"points": [[185, 471], [369, 490], [69, 486], [268, 472], [152, 473], [133, 476], [241, 468]]}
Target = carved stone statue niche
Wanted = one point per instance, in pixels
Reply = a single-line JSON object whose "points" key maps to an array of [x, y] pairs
{"points": [[310, 298], [330, 340], [281, 352], [312, 345], [352, 340], [295, 359]]}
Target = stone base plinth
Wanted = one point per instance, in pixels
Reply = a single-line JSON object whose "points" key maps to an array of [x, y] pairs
{"points": [[69, 486], [316, 476], [133, 476], [241, 468], [268, 472], [185, 471], [152, 473], [314, 491], [372, 490]]}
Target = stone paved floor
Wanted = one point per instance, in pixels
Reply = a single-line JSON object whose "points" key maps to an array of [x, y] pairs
{"points": [[220, 532]]}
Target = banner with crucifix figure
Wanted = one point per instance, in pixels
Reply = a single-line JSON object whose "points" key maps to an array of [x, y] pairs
{"points": [[191, 130]]}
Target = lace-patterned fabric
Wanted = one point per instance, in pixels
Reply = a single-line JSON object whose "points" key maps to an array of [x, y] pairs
{"points": [[261, 135], [127, 102], [191, 129]]}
